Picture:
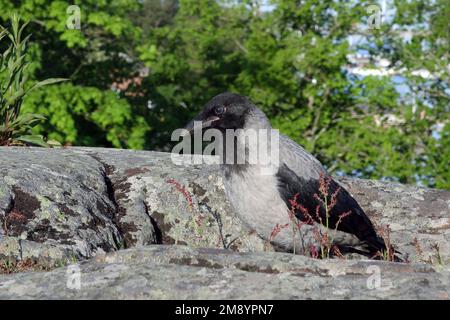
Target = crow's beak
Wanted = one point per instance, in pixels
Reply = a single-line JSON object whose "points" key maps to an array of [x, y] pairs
{"points": [[199, 124]]}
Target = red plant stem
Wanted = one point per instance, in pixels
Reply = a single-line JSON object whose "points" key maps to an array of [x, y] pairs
{"points": [[183, 190]]}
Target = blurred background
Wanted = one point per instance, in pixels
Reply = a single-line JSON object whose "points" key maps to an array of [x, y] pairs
{"points": [[363, 85]]}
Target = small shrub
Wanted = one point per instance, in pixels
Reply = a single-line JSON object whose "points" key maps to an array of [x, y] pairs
{"points": [[15, 128], [389, 253], [275, 231], [324, 237]]}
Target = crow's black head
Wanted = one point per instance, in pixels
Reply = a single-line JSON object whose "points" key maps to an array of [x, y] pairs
{"points": [[227, 111]]}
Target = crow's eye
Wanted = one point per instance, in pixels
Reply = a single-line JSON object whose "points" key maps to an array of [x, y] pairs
{"points": [[219, 110]]}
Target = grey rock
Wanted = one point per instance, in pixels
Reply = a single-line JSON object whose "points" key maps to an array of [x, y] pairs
{"points": [[54, 205], [185, 204], [180, 272], [71, 204]]}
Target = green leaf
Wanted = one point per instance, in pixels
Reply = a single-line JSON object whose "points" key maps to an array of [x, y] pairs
{"points": [[36, 140], [27, 118], [45, 82], [3, 33], [21, 31], [53, 143]]}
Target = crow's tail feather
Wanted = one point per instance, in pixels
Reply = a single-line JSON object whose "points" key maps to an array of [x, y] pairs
{"points": [[373, 248]]}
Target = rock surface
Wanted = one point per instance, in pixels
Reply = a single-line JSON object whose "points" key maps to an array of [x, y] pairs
{"points": [[58, 206], [180, 272]]}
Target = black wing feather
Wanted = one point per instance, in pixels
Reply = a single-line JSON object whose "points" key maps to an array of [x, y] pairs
{"points": [[356, 223]]}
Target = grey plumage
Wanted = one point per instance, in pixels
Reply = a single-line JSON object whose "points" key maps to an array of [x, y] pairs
{"points": [[263, 200]]}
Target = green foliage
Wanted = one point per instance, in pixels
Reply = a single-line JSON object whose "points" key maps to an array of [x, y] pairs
{"points": [[292, 61], [87, 111], [87, 116], [15, 127]]}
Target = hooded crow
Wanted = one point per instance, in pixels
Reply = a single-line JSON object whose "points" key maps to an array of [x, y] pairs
{"points": [[296, 189]]}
